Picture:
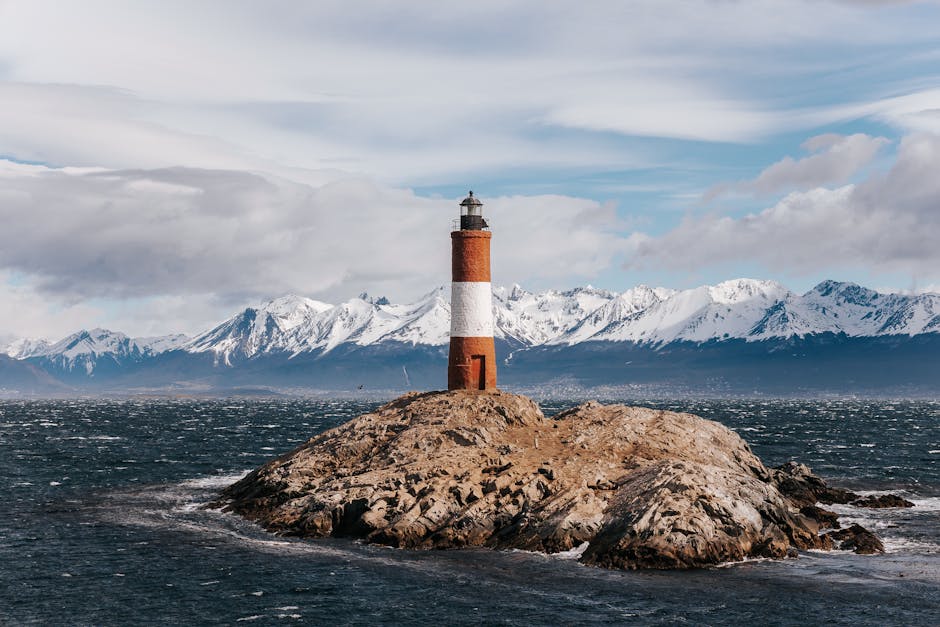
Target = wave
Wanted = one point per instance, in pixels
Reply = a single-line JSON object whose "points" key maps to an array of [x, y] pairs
{"points": [[574, 553], [903, 530], [905, 546], [927, 504], [214, 482], [746, 560], [181, 507], [103, 438]]}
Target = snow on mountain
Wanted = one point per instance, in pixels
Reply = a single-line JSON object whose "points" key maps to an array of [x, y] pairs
{"points": [[25, 347], [161, 343], [291, 311], [83, 349], [519, 315], [364, 321], [742, 308], [426, 321], [295, 325], [268, 328], [856, 310], [343, 323], [851, 309], [917, 314], [729, 309], [760, 310], [617, 309], [537, 318]]}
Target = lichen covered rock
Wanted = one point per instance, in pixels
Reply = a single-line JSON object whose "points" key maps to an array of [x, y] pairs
{"points": [[645, 488]]}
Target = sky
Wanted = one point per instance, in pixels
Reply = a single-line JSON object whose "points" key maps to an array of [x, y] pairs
{"points": [[165, 164]]}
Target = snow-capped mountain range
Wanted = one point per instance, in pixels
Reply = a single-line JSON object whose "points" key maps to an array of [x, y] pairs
{"points": [[84, 349], [754, 310], [745, 309]]}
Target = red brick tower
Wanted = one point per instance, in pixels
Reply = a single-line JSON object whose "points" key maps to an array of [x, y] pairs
{"points": [[472, 359]]}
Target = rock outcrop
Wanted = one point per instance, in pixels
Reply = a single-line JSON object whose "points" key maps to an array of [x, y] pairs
{"points": [[882, 501], [643, 488], [858, 539], [801, 486]]}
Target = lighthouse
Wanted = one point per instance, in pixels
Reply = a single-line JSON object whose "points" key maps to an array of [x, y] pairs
{"points": [[471, 364]]}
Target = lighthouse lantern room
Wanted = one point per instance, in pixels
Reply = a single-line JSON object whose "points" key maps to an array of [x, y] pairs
{"points": [[472, 359], [471, 214]]}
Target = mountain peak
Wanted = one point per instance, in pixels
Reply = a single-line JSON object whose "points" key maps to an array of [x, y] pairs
{"points": [[747, 309], [737, 290], [517, 292], [90, 337], [438, 292], [292, 302], [381, 300], [24, 347], [824, 288], [99, 332], [850, 293]]}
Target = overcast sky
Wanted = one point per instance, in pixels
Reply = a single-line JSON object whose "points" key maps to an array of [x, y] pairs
{"points": [[164, 164]]}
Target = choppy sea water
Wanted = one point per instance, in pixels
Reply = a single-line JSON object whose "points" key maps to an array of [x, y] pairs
{"points": [[100, 524]]}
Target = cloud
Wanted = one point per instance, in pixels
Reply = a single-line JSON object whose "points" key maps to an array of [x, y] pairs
{"points": [[207, 154], [835, 159], [26, 313], [918, 111], [175, 232], [867, 3], [648, 109], [416, 96], [887, 223]]}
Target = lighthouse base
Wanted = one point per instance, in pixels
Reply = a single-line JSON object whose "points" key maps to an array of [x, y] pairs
{"points": [[471, 364]]}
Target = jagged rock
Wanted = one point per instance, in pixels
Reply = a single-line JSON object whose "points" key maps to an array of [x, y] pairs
{"points": [[882, 501], [825, 518], [858, 539], [644, 488], [798, 483]]}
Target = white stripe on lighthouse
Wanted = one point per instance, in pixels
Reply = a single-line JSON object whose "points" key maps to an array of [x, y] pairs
{"points": [[471, 309]]}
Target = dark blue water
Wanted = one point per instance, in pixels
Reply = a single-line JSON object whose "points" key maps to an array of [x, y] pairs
{"points": [[100, 524]]}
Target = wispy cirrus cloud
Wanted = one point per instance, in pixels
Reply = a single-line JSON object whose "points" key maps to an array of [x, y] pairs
{"points": [[421, 95]]}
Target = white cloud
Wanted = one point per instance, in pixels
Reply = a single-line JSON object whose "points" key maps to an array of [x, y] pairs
{"points": [[886, 224], [664, 111], [218, 152], [26, 313], [421, 94], [230, 236], [877, 2], [835, 159], [914, 289], [913, 110]]}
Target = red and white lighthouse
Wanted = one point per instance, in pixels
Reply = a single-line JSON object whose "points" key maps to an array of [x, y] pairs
{"points": [[471, 364]]}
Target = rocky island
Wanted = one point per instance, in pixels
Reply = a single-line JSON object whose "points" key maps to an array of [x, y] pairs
{"points": [[627, 487]]}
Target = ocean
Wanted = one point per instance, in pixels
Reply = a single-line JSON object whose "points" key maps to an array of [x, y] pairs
{"points": [[101, 524]]}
